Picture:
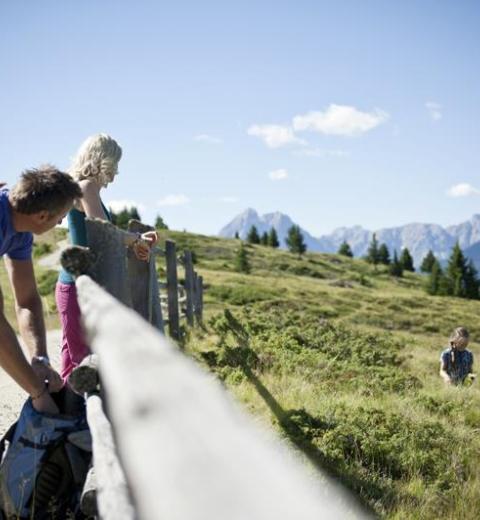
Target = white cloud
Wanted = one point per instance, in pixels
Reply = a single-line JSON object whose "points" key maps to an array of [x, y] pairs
{"points": [[462, 190], [434, 109], [320, 152], [228, 200], [340, 120], [119, 205], [174, 200], [275, 136], [278, 175], [205, 138]]}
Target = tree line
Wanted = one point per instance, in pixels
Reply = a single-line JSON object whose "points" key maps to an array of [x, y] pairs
{"points": [[295, 240], [459, 278]]}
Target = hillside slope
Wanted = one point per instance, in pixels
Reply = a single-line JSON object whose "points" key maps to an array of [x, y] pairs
{"points": [[343, 360]]}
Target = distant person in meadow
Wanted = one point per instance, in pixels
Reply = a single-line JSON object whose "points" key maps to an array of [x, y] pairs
{"points": [[456, 362], [94, 168]]}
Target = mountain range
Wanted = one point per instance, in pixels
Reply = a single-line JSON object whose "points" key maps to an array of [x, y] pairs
{"points": [[419, 238]]}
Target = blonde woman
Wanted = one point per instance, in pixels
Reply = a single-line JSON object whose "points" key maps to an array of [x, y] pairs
{"points": [[94, 167], [456, 362]]}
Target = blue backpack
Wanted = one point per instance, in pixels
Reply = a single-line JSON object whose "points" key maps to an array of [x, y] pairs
{"points": [[42, 468]]}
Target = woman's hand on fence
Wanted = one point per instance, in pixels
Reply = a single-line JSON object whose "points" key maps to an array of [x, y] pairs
{"points": [[144, 244]]}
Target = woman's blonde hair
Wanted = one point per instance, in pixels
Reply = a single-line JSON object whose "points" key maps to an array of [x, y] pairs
{"points": [[97, 158], [459, 334]]}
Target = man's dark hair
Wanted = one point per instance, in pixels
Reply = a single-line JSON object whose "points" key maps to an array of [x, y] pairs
{"points": [[43, 188]]}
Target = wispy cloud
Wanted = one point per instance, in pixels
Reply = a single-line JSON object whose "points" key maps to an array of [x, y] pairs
{"points": [[278, 175], [228, 200], [462, 190], [340, 120], [434, 109], [320, 152], [119, 205], [209, 139], [275, 136], [174, 200]]}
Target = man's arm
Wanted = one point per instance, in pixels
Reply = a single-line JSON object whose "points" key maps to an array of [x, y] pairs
{"points": [[17, 367], [28, 305]]}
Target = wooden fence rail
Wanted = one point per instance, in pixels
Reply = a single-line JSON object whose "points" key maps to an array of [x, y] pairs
{"points": [[174, 446], [134, 282], [187, 452]]}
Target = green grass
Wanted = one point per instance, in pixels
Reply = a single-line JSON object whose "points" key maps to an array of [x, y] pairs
{"points": [[342, 360]]}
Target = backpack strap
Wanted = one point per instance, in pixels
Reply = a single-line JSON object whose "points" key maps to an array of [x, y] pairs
{"points": [[7, 437]]}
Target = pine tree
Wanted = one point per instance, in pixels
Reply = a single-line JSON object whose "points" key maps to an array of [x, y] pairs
{"points": [[435, 283], [427, 262], [396, 268], [345, 249], [471, 281], [264, 239], [407, 261], [383, 255], [242, 265], [122, 218], [372, 253], [160, 223], [273, 238], [253, 237], [295, 241], [456, 272]]}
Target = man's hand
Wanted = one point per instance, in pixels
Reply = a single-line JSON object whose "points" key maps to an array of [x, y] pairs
{"points": [[45, 404], [44, 371]]}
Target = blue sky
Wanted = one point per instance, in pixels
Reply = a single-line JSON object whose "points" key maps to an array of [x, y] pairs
{"points": [[336, 113]]}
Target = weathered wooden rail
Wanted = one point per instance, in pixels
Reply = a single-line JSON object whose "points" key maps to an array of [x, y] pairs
{"points": [[179, 447], [135, 282]]}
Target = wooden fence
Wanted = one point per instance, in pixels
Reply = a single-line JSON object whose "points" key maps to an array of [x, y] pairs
{"points": [[135, 282], [175, 446]]}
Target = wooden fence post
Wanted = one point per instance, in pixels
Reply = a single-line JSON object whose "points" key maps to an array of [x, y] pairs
{"points": [[198, 298], [143, 282], [110, 267], [172, 289], [189, 286]]}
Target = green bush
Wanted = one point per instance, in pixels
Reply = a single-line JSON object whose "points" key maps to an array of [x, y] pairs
{"points": [[46, 282], [41, 249]]}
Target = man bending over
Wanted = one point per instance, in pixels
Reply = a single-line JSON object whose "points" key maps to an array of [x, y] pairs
{"points": [[38, 202]]}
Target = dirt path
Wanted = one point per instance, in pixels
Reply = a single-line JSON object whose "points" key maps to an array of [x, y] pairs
{"points": [[12, 396], [52, 261]]}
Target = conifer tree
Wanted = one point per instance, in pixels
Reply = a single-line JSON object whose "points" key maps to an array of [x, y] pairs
{"points": [[427, 262], [253, 237], [345, 249], [295, 241], [242, 264], [471, 281], [122, 218], [273, 238], [160, 223], [372, 253], [435, 281], [456, 272], [383, 255], [396, 268], [264, 239], [407, 261]]}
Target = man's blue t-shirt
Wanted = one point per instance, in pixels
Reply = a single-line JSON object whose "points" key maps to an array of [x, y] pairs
{"points": [[459, 369], [17, 246]]}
